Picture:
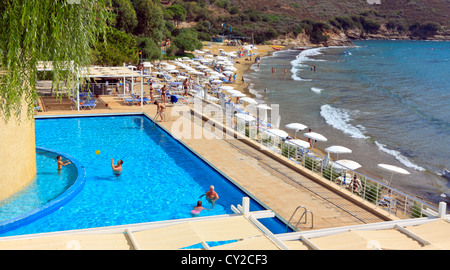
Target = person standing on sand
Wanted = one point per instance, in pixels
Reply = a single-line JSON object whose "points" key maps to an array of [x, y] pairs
{"points": [[310, 140], [151, 91]]}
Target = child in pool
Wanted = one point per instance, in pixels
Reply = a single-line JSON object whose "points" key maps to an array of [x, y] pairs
{"points": [[197, 209], [61, 163]]}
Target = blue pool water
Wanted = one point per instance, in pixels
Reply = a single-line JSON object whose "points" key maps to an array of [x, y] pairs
{"points": [[161, 179], [45, 187]]}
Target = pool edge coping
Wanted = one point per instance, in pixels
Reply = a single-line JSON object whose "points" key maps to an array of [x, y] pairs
{"points": [[281, 219], [53, 205]]}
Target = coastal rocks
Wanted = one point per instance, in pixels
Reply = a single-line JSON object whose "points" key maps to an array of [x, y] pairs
{"points": [[337, 38]]}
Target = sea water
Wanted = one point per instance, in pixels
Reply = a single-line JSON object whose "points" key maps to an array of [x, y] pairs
{"points": [[386, 100]]}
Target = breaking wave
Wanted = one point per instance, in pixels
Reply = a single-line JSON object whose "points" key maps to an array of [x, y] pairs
{"points": [[339, 119]]}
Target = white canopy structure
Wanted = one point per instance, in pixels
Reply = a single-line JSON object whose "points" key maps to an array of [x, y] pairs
{"points": [[99, 72]]}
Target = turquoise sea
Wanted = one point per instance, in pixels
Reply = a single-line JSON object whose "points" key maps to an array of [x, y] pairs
{"points": [[388, 101]]}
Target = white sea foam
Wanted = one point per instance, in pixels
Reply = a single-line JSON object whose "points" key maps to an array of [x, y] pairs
{"points": [[398, 156], [316, 90], [339, 119], [300, 59]]}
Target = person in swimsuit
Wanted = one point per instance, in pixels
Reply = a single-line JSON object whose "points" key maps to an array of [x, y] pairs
{"points": [[163, 94], [197, 209], [211, 195], [185, 86], [160, 110], [151, 92], [61, 163], [117, 169]]}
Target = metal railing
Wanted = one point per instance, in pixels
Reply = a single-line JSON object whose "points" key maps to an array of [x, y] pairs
{"points": [[366, 188]]}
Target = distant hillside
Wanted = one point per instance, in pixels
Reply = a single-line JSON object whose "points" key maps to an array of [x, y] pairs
{"points": [[406, 11], [323, 22]]}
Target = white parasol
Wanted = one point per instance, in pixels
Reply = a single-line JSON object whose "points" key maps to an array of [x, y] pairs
{"points": [[296, 126], [337, 149], [297, 142], [245, 117], [249, 100], [315, 136], [346, 164], [278, 132], [393, 169]]}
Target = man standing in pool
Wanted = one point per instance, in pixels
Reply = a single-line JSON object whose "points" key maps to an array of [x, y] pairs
{"points": [[61, 163], [211, 195], [117, 169]]}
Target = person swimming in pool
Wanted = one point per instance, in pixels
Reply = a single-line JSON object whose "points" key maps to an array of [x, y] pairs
{"points": [[61, 163], [211, 195], [117, 169], [198, 208]]}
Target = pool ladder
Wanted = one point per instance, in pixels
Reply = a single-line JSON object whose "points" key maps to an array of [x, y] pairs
{"points": [[305, 214]]}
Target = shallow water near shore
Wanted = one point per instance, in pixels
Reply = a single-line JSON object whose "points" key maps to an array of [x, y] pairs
{"points": [[388, 101]]}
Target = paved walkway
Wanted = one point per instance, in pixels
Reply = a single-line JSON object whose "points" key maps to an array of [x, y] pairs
{"points": [[276, 185]]}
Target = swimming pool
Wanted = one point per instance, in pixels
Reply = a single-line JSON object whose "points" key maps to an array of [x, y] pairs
{"points": [[161, 178]]}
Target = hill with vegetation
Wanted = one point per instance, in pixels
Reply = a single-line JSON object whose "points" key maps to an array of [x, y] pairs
{"points": [[152, 29]]}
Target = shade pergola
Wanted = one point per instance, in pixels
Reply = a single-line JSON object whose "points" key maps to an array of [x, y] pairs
{"points": [[98, 72], [112, 72]]}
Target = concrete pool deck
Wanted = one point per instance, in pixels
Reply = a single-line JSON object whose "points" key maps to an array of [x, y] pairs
{"points": [[268, 178]]}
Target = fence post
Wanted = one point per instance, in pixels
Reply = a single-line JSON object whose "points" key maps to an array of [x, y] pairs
{"points": [[442, 209]]}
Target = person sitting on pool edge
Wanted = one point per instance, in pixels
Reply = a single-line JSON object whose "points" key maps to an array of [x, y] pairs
{"points": [[61, 163], [117, 169], [197, 209], [211, 195]]}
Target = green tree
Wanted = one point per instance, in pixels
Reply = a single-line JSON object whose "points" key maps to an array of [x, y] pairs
{"points": [[150, 20], [116, 49], [37, 30], [126, 18], [175, 12], [148, 48], [187, 40]]}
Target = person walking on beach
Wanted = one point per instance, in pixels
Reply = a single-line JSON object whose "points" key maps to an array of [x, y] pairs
{"points": [[243, 81], [160, 109], [61, 163], [310, 140], [285, 72]]}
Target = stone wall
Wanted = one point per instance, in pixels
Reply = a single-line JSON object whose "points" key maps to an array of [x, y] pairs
{"points": [[17, 153]]}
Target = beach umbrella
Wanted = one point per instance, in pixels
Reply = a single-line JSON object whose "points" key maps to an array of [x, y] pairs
{"points": [[296, 126], [228, 72], [337, 149], [392, 169], [238, 94], [278, 132], [346, 164], [245, 117], [227, 87], [315, 136], [231, 68], [298, 142], [217, 81], [249, 100], [263, 107]]}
